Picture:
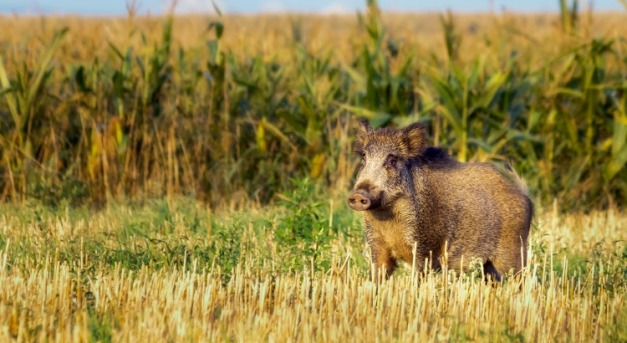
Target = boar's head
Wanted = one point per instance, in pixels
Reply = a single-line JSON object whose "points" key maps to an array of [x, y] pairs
{"points": [[385, 174]]}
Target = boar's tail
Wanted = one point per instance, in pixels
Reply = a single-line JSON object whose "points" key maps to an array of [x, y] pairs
{"points": [[522, 185], [516, 179]]}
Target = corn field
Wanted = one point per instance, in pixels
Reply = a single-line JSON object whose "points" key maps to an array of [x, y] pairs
{"points": [[101, 109]]}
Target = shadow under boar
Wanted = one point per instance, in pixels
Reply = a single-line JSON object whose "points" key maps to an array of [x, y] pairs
{"points": [[414, 196]]}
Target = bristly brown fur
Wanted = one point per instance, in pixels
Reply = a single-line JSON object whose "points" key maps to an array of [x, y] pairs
{"points": [[428, 200], [409, 142]]}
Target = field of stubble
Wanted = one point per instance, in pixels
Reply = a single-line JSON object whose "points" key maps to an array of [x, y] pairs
{"points": [[178, 272]]}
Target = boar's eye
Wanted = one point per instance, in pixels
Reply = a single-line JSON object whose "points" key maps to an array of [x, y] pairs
{"points": [[391, 161], [362, 156]]}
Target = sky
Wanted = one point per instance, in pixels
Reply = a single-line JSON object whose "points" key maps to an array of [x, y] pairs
{"points": [[118, 7]]}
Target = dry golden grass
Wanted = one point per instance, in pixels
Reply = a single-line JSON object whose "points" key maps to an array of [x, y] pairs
{"points": [[272, 36], [67, 296]]}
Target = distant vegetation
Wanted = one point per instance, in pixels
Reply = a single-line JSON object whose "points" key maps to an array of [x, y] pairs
{"points": [[232, 108]]}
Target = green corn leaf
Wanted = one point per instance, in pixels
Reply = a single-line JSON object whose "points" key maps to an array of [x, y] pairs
{"points": [[449, 107], [481, 144], [116, 51], [572, 92], [376, 119], [275, 131], [7, 92], [42, 72], [494, 84], [619, 147]]}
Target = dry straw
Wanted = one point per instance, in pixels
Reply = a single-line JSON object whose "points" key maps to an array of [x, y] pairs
{"points": [[51, 299]]}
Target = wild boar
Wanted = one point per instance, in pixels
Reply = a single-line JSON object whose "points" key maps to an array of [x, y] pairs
{"points": [[417, 197]]}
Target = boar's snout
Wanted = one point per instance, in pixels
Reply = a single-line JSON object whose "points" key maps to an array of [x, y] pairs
{"points": [[360, 200]]}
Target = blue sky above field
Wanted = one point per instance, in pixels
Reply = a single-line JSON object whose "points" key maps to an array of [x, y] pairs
{"points": [[118, 7]]}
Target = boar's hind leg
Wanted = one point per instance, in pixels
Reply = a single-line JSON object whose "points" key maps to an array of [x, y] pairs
{"points": [[511, 257], [490, 272]]}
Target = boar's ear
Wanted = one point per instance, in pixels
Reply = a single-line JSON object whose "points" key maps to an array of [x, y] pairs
{"points": [[364, 127], [415, 139], [362, 130]]}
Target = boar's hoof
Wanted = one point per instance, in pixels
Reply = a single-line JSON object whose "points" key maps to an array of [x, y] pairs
{"points": [[359, 201]]}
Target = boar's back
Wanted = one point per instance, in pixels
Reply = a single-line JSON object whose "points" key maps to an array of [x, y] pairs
{"points": [[437, 156]]}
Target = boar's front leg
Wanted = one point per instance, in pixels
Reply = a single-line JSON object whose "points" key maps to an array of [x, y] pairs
{"points": [[422, 258], [382, 260]]}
